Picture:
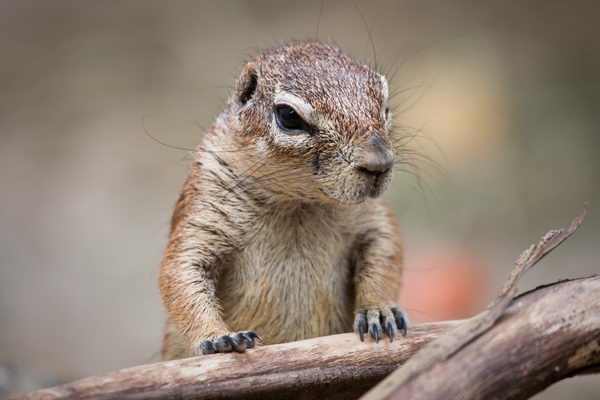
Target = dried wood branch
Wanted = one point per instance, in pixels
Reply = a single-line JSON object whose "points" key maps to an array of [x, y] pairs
{"points": [[399, 383], [331, 367]]}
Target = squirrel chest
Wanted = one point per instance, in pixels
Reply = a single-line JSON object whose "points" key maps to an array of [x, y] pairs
{"points": [[293, 277]]}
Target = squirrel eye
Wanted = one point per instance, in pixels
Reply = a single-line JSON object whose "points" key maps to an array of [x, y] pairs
{"points": [[288, 119]]}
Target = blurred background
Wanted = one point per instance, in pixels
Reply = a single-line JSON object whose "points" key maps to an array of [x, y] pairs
{"points": [[499, 100]]}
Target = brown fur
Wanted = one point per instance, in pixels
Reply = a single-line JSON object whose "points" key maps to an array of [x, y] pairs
{"points": [[277, 232]]}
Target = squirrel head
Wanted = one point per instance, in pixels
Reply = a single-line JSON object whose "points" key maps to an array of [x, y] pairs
{"points": [[317, 123]]}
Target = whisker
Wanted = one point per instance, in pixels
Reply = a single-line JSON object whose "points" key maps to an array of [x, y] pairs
{"points": [[415, 52], [319, 21], [254, 180], [398, 92], [202, 128], [362, 17], [198, 149], [158, 141]]}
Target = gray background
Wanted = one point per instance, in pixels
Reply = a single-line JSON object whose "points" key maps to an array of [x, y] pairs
{"points": [[509, 92]]}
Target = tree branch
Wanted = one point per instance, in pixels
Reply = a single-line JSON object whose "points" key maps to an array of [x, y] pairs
{"points": [[332, 367]]}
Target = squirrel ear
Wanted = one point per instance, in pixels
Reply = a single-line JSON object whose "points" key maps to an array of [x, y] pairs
{"points": [[247, 84]]}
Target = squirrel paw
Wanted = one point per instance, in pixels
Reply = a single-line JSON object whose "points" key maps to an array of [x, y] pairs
{"points": [[227, 343], [379, 320]]}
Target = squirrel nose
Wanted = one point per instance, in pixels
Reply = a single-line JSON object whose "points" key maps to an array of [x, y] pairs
{"points": [[378, 160]]}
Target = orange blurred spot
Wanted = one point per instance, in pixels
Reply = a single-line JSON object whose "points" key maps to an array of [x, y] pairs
{"points": [[443, 284]]}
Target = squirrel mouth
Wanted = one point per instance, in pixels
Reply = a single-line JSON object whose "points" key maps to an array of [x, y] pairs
{"points": [[378, 185], [356, 189]]}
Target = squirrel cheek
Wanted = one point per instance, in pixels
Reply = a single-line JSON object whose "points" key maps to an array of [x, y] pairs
{"points": [[290, 141]]}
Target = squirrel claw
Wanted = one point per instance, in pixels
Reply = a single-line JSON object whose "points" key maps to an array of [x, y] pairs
{"points": [[206, 347], [401, 318], [379, 320], [227, 343], [360, 323], [248, 338]]}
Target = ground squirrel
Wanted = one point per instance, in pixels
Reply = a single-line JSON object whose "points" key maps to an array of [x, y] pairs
{"points": [[280, 229]]}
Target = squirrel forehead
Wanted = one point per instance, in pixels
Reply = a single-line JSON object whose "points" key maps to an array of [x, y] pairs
{"points": [[322, 75]]}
